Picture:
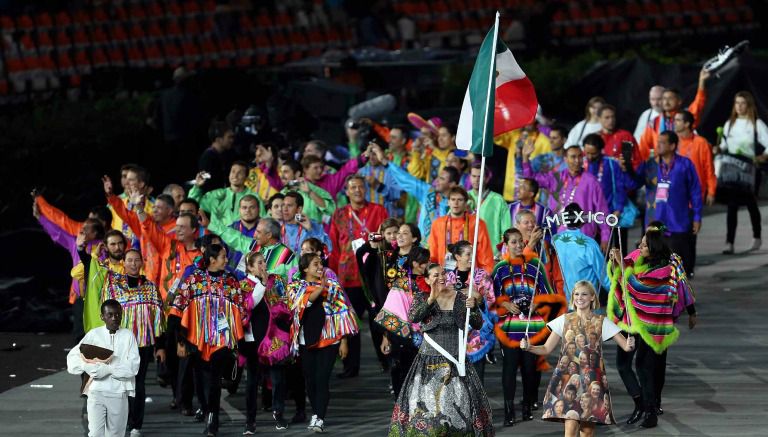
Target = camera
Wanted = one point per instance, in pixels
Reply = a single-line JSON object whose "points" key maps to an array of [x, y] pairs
{"points": [[299, 217], [375, 237], [294, 184]]}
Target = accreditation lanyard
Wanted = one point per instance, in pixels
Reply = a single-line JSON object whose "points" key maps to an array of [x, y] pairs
{"points": [[284, 236], [566, 184], [353, 215], [464, 231]]}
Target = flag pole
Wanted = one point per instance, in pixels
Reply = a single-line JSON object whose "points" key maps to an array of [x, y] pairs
{"points": [[488, 115]]}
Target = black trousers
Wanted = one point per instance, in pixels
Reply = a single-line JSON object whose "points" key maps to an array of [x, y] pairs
{"points": [[189, 381], [651, 372], [680, 243], [255, 372], [78, 331], [401, 356], [627, 373], [294, 373], [526, 361], [734, 202], [137, 403], [220, 365], [651, 369], [318, 365], [360, 304]]}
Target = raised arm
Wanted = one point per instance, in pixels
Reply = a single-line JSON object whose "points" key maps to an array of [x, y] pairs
{"points": [[231, 237], [58, 217]]}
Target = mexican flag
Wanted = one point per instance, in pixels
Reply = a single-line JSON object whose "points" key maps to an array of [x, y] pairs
{"points": [[513, 100]]}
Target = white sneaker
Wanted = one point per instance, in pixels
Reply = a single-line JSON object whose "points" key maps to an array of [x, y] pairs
{"points": [[312, 422], [756, 243], [135, 433], [318, 428]]}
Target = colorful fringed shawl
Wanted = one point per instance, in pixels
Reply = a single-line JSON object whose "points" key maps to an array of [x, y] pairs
{"points": [[210, 309], [340, 318], [393, 315], [513, 281], [275, 347], [142, 306], [647, 301], [479, 341]]}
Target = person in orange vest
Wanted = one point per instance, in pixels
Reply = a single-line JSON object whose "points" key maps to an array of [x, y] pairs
{"points": [[459, 225]]}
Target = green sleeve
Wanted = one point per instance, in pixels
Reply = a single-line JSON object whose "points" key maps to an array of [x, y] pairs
{"points": [[231, 237], [195, 193], [313, 211]]}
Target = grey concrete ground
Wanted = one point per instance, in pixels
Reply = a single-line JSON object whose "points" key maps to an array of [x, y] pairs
{"points": [[716, 385]]}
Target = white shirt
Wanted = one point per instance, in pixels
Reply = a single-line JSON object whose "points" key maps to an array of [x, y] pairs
{"points": [[119, 375], [739, 139], [609, 328], [642, 122], [576, 135]]}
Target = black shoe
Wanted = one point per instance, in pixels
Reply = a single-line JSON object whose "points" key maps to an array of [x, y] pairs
{"points": [[211, 425], [509, 413], [348, 374], [659, 411], [650, 420], [173, 404], [635, 417], [250, 429], [527, 415], [299, 417], [187, 412], [280, 423], [535, 406], [199, 415]]}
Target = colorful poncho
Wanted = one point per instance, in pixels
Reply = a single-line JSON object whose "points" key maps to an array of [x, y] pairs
{"points": [[646, 301], [513, 280], [340, 319], [393, 316], [479, 341], [210, 309], [275, 346], [142, 306]]}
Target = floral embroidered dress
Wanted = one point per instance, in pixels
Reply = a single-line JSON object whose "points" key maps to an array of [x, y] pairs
{"points": [[435, 400]]}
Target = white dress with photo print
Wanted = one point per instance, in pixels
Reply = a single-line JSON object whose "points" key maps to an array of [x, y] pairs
{"points": [[579, 386]]}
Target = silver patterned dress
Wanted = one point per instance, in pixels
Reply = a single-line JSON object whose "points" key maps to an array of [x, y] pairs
{"points": [[435, 400]]}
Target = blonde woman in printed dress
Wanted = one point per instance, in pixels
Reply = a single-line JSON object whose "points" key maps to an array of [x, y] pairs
{"points": [[594, 401]]}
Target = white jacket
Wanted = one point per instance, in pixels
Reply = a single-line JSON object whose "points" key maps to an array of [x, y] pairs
{"points": [[119, 375]]}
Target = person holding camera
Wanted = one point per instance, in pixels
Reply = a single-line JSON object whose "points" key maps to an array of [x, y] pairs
{"points": [[375, 260], [296, 226], [318, 203], [224, 203], [615, 140]]}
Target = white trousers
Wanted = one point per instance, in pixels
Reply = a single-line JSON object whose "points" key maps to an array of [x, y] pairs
{"points": [[107, 415]]}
